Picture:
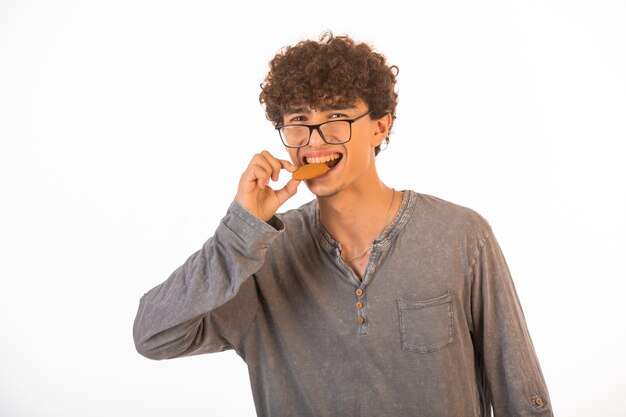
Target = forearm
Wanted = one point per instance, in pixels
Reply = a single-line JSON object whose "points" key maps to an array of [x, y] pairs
{"points": [[173, 318]]}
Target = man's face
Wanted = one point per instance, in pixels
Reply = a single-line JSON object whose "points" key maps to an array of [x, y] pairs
{"points": [[351, 163]]}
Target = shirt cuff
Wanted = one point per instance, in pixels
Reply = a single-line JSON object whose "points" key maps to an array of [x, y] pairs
{"points": [[238, 218]]}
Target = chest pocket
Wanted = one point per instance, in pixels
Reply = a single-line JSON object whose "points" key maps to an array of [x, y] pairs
{"points": [[426, 326]]}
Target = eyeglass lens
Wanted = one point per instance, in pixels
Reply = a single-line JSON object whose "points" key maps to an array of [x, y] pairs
{"points": [[332, 132]]}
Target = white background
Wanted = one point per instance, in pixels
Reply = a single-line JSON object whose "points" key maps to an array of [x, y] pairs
{"points": [[124, 127]]}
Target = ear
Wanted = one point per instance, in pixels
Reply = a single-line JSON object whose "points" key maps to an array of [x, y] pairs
{"points": [[381, 129]]}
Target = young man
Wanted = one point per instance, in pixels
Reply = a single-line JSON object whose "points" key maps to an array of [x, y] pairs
{"points": [[366, 301]]}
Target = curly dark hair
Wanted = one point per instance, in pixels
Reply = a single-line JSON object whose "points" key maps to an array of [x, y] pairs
{"points": [[317, 73]]}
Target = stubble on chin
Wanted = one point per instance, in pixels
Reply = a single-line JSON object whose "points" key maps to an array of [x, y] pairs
{"points": [[326, 193]]}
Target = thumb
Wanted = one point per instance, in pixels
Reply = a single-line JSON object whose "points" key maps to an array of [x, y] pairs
{"points": [[288, 191]]}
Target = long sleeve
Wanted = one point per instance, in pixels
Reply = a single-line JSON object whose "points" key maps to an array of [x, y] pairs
{"points": [[508, 359], [208, 303]]}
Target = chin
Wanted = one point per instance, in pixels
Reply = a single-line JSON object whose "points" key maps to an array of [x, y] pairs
{"points": [[324, 192]]}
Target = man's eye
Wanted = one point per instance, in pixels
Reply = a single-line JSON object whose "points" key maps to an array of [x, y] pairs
{"points": [[297, 119], [337, 115]]}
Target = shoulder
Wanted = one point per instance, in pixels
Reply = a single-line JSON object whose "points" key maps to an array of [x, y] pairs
{"points": [[443, 217]]}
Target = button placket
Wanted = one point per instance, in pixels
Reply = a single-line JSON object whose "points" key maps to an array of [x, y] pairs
{"points": [[361, 317]]}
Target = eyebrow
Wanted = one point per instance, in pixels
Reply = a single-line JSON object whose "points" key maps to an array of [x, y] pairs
{"points": [[325, 107]]}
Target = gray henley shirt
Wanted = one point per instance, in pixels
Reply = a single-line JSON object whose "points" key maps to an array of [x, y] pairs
{"points": [[434, 328]]}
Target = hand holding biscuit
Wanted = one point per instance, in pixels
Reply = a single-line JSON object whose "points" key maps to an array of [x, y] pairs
{"points": [[254, 192]]}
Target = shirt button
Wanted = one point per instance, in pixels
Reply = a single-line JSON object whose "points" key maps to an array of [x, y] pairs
{"points": [[359, 305], [361, 319], [359, 292], [538, 401]]}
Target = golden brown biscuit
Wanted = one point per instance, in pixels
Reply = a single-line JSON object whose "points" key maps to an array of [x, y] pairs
{"points": [[309, 171]]}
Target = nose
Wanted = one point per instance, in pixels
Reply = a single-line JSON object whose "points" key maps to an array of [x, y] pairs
{"points": [[316, 138]]}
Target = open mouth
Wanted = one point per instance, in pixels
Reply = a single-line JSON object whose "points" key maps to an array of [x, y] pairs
{"points": [[330, 160]]}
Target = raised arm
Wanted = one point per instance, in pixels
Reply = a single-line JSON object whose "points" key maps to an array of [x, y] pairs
{"points": [[207, 303]]}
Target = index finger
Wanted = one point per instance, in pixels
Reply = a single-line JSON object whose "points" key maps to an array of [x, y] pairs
{"points": [[275, 164], [287, 165]]}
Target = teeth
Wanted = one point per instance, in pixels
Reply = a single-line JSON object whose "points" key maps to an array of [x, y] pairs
{"points": [[322, 159]]}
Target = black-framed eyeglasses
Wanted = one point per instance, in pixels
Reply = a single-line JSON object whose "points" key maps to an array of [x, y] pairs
{"points": [[334, 132]]}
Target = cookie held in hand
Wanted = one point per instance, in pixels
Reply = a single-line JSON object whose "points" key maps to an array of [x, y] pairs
{"points": [[310, 171]]}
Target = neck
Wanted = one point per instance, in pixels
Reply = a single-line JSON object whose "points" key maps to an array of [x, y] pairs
{"points": [[355, 217]]}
